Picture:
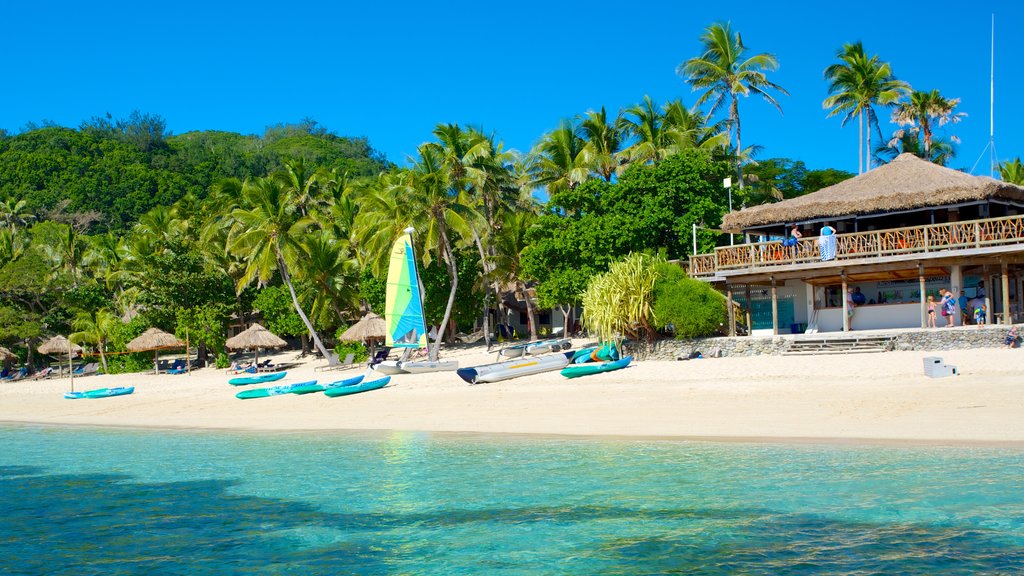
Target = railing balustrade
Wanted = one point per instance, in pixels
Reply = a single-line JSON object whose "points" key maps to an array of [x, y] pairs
{"points": [[874, 244]]}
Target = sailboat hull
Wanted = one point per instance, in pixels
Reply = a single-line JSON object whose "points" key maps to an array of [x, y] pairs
{"points": [[390, 367], [422, 367]]}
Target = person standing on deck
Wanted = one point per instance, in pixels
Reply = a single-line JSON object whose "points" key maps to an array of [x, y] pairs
{"points": [[850, 305], [965, 313], [948, 305]]}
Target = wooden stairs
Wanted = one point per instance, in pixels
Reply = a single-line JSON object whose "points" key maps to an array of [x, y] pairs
{"points": [[839, 345]]}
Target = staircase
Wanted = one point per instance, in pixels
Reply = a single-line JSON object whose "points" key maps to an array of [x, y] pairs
{"points": [[839, 345]]}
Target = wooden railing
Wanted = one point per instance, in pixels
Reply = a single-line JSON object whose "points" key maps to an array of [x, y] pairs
{"points": [[875, 244]]}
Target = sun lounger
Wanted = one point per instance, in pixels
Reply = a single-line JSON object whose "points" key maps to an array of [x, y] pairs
{"points": [[379, 357], [470, 338], [334, 364]]}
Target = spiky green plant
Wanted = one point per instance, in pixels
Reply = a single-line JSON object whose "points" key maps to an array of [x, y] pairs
{"points": [[619, 303]]}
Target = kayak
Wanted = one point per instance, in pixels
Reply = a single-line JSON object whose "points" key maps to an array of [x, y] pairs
{"points": [[583, 355], [544, 346], [100, 393], [577, 370], [258, 379], [272, 391], [514, 368], [420, 367], [314, 387], [358, 387]]}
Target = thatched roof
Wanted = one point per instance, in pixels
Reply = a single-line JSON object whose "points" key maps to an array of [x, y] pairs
{"points": [[153, 339], [59, 345], [254, 336], [369, 326], [6, 354], [906, 183]]}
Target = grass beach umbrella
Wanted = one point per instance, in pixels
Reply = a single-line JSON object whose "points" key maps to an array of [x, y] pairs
{"points": [[6, 354], [59, 345], [369, 327], [253, 338], [154, 339]]}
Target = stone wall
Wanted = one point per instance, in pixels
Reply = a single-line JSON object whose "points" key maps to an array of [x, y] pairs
{"points": [[933, 339]]}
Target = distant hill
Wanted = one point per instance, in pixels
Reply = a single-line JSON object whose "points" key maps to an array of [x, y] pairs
{"points": [[122, 169]]}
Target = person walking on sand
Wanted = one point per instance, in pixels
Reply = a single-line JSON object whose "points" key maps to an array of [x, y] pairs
{"points": [[931, 311]]}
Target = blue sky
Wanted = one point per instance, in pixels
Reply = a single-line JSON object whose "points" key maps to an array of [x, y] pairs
{"points": [[391, 71]]}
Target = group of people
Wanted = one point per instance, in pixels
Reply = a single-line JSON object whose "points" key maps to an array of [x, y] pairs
{"points": [[947, 307]]}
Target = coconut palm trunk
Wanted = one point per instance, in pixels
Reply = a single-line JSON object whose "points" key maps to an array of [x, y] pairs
{"points": [[453, 273], [283, 268], [531, 314]]}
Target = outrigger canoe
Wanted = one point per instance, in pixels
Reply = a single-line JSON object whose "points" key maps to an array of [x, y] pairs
{"points": [[272, 391], [358, 387], [577, 370], [100, 393], [392, 367], [314, 387], [514, 368], [258, 379], [535, 347]]}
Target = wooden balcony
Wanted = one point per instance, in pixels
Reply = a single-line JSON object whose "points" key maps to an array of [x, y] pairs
{"points": [[916, 240]]}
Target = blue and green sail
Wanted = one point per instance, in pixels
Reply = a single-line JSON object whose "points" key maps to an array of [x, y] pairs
{"points": [[403, 304]]}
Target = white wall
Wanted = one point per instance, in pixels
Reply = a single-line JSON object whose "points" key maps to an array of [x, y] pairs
{"points": [[872, 317]]}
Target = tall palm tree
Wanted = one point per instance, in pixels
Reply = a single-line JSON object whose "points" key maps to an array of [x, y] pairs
{"points": [[266, 231], [303, 183], [856, 84], [653, 137], [95, 328], [604, 141], [921, 111], [1012, 171], [328, 266], [67, 253], [14, 212], [724, 73], [560, 159], [941, 151], [510, 242]]}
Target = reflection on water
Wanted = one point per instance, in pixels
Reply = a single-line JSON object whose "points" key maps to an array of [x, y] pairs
{"points": [[131, 502]]}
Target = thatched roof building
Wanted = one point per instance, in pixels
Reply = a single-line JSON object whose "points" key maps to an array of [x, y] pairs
{"points": [[154, 339], [370, 326], [906, 183], [255, 336], [59, 345]]}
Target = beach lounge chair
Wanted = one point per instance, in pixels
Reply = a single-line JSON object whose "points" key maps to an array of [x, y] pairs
{"points": [[379, 357], [334, 364], [470, 338]]}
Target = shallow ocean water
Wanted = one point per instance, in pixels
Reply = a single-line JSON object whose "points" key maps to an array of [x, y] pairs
{"points": [[101, 501]]}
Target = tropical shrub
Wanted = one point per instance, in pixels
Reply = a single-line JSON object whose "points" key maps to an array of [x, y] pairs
{"points": [[343, 349], [619, 302], [691, 307]]}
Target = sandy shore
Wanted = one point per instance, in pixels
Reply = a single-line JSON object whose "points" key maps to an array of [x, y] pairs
{"points": [[870, 397]]}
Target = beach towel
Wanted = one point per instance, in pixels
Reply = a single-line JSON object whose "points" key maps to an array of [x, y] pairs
{"points": [[827, 247]]}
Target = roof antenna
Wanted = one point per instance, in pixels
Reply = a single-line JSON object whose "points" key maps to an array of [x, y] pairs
{"points": [[991, 146]]}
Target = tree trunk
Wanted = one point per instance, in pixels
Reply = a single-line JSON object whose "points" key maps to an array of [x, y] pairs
{"points": [[295, 302], [860, 142], [487, 289], [103, 357], [453, 273], [531, 315], [566, 311], [734, 112]]}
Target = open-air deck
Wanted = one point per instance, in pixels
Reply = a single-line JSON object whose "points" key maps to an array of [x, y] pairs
{"points": [[989, 236]]}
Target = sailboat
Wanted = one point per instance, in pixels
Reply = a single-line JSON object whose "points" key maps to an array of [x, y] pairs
{"points": [[403, 312]]}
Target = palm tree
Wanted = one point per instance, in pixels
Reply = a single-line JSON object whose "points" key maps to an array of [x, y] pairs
{"points": [[920, 112], [1012, 171], [510, 241], [266, 231], [303, 184], [604, 141], [67, 253], [941, 151], [95, 328], [723, 73], [328, 266], [653, 137], [857, 83], [14, 212], [560, 159]]}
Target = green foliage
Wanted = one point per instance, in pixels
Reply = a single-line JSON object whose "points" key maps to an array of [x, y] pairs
{"points": [[130, 363], [692, 307], [650, 208], [123, 333], [620, 301], [203, 325], [781, 179], [343, 349], [275, 302], [223, 361], [181, 281], [17, 325], [437, 286], [373, 291]]}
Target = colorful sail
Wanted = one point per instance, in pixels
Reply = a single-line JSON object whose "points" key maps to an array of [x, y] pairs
{"points": [[403, 307]]}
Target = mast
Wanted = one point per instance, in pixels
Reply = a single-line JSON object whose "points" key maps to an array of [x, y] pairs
{"points": [[991, 105], [419, 281]]}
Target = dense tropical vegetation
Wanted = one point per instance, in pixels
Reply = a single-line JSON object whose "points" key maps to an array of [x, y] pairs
{"points": [[118, 225]]}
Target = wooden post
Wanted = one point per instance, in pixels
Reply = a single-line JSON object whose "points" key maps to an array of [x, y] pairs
{"points": [[1020, 290], [750, 325], [924, 299], [990, 286], [732, 309], [846, 304], [1007, 316], [188, 363], [956, 281], [775, 309]]}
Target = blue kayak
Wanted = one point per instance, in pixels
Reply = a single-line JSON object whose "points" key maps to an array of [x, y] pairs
{"points": [[258, 379], [357, 387], [273, 390], [314, 387], [100, 393]]}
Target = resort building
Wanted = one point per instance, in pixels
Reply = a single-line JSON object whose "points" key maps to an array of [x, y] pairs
{"points": [[894, 236]]}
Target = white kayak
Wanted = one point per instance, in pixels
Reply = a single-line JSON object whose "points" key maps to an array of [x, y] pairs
{"points": [[545, 346], [514, 368], [392, 367]]}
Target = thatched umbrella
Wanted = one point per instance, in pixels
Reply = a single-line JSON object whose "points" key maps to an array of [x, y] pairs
{"points": [[6, 354], [370, 326], [61, 345], [154, 339], [253, 338]]}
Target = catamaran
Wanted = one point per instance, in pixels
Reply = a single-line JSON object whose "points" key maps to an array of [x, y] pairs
{"points": [[403, 312]]}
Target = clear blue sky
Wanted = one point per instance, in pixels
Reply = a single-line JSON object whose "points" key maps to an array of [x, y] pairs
{"points": [[391, 71]]}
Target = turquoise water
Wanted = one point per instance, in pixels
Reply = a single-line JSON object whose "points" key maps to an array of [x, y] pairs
{"points": [[84, 501]]}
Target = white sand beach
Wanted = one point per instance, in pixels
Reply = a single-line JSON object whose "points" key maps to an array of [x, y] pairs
{"points": [[869, 397]]}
